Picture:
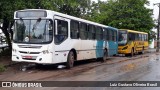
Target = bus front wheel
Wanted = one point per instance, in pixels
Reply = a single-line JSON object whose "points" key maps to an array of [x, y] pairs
{"points": [[132, 52], [70, 60]]}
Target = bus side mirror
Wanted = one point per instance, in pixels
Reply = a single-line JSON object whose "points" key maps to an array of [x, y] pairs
{"points": [[50, 24]]}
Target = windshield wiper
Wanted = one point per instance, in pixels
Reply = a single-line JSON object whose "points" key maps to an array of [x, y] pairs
{"points": [[35, 25]]}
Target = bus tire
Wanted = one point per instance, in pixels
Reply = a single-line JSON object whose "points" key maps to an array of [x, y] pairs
{"points": [[105, 55], [70, 60], [39, 65], [126, 55], [132, 52], [142, 52]]}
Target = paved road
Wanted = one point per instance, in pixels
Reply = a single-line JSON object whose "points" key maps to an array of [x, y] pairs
{"points": [[139, 68]]}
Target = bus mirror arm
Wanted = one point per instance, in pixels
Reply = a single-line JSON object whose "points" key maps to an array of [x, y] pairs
{"points": [[56, 32]]}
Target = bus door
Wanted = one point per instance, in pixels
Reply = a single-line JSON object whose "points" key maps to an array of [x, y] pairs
{"points": [[61, 28]]}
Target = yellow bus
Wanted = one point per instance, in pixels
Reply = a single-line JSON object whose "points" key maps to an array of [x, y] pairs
{"points": [[131, 42]]}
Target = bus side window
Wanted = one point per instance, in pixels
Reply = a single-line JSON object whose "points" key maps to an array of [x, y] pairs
{"points": [[110, 35], [131, 36], [115, 35], [62, 31], [74, 26], [83, 31], [105, 34], [99, 33], [91, 32], [142, 37], [139, 37]]}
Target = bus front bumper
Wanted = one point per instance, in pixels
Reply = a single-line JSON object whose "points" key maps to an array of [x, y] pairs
{"points": [[42, 59]]}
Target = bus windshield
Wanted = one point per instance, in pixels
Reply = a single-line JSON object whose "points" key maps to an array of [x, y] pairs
{"points": [[122, 40], [33, 31]]}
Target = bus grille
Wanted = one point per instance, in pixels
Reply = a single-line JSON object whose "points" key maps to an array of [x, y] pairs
{"points": [[29, 52], [29, 46]]}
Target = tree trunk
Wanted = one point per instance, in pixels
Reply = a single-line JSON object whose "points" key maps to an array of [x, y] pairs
{"points": [[6, 33], [11, 30]]}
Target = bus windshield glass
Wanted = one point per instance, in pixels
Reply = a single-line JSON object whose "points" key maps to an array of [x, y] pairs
{"points": [[35, 31], [122, 40]]}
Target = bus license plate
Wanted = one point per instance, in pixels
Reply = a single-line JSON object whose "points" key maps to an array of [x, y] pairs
{"points": [[29, 57]]}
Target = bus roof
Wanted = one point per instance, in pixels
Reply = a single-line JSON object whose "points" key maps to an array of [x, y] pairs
{"points": [[68, 17], [133, 31]]}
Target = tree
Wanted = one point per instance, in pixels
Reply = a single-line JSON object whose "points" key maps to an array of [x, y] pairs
{"points": [[6, 15], [124, 14], [76, 8], [130, 14]]}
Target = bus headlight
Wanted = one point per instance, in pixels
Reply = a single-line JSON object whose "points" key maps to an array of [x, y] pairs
{"points": [[45, 52], [125, 47]]}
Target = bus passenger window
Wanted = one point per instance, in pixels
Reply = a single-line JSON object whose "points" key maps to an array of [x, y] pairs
{"points": [[115, 35], [99, 33], [105, 34], [110, 35], [74, 29], [83, 31], [92, 32], [62, 31]]}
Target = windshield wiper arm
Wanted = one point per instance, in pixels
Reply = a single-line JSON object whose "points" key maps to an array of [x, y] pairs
{"points": [[35, 25]]}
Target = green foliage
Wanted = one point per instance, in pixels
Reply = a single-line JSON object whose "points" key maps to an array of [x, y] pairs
{"points": [[6, 52], [124, 14], [128, 14], [2, 68]]}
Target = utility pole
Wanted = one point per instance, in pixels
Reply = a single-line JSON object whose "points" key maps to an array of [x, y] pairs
{"points": [[157, 50]]}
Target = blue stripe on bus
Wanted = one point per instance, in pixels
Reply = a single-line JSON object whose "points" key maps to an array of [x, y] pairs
{"points": [[99, 49], [112, 48]]}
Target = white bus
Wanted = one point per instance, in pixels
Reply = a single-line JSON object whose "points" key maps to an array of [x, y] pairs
{"points": [[49, 37]]}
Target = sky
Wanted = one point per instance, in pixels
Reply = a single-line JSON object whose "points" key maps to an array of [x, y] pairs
{"points": [[154, 7]]}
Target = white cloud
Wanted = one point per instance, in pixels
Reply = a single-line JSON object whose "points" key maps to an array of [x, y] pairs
{"points": [[154, 7]]}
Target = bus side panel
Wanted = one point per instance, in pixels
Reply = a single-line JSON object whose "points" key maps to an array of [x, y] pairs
{"points": [[113, 47], [146, 45], [99, 49], [87, 50], [62, 50]]}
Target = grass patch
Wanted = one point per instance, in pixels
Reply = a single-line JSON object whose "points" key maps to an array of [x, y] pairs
{"points": [[6, 52], [2, 68]]}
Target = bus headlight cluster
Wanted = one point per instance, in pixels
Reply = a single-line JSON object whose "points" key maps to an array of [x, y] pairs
{"points": [[45, 52], [125, 47]]}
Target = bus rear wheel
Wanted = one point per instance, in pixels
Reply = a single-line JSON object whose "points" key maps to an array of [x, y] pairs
{"points": [[142, 51], [132, 53], [70, 60], [105, 55]]}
